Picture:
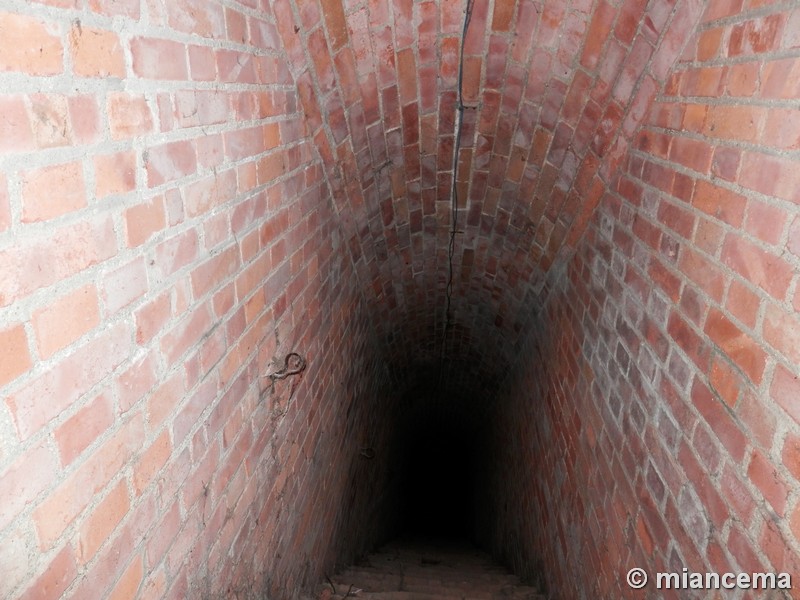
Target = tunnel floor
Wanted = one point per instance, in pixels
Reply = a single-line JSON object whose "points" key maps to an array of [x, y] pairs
{"points": [[428, 568]]}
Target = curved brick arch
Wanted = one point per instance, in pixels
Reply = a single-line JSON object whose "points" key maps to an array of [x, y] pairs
{"points": [[192, 191], [552, 91]]}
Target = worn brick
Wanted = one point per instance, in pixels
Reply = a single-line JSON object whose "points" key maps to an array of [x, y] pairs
{"points": [[53, 191], [30, 45], [96, 52], [66, 319]]}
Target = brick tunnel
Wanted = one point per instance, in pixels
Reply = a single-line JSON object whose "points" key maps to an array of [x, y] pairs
{"points": [[282, 280]]}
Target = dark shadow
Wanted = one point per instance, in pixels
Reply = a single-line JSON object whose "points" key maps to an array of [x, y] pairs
{"points": [[437, 491]]}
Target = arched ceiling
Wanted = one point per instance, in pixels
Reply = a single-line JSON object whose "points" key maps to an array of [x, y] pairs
{"points": [[553, 91]]}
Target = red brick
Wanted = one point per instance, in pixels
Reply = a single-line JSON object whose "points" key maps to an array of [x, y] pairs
{"points": [[785, 390], [102, 521], [164, 399], [200, 108], [206, 194], [665, 279], [45, 260], [764, 476], [107, 568], [67, 380], [50, 120], [721, 8], [52, 191], [125, 8], [738, 345], [655, 143], [770, 175], [158, 59], [791, 31], [115, 173], [137, 380], [169, 162], [16, 134], [771, 273], [743, 79], [694, 117], [96, 52], [130, 581], [708, 44], [725, 163], [725, 381], [202, 63], [781, 553], [791, 454], [151, 462], [781, 129], [128, 115], [708, 236], [739, 123], [737, 495], [30, 46], [714, 505], [599, 29], [236, 26], [793, 244], [765, 222], [244, 143], [5, 206], [185, 334], [719, 202], [779, 79], [756, 36], [723, 426], [694, 154], [66, 319], [144, 220], [57, 577], [705, 82], [336, 24], [71, 497], [124, 285], [756, 413], [407, 76], [216, 269], [741, 547], [28, 476], [84, 427], [176, 252], [16, 356], [782, 332], [84, 115], [743, 303], [676, 218], [703, 272], [59, 3]]}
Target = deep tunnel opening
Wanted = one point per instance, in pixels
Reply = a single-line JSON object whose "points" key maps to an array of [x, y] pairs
{"points": [[437, 489], [437, 456]]}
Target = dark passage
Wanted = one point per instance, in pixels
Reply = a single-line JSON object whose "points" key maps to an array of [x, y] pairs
{"points": [[437, 496]]}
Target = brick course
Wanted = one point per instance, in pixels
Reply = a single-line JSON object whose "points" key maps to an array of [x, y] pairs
{"points": [[191, 190], [167, 238]]}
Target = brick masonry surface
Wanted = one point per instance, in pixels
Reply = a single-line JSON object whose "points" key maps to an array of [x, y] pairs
{"points": [[192, 189]]}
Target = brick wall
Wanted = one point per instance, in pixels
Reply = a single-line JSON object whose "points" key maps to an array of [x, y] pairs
{"points": [[657, 398], [191, 190], [167, 236], [551, 90]]}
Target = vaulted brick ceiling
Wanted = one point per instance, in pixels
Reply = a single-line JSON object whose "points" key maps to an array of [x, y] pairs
{"points": [[552, 93]]}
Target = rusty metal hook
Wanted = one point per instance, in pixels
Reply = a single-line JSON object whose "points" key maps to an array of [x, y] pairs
{"points": [[293, 364]]}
